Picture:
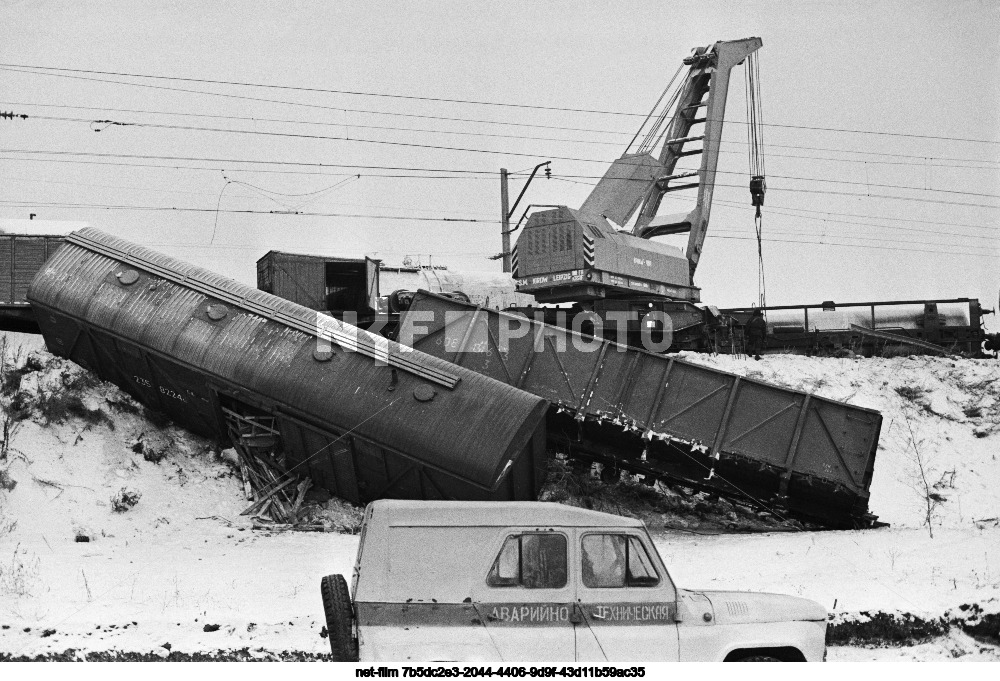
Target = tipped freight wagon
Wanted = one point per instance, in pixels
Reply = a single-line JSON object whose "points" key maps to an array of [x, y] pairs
{"points": [[362, 416], [663, 417]]}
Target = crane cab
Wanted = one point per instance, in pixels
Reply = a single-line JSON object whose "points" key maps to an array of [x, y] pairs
{"points": [[570, 255]]}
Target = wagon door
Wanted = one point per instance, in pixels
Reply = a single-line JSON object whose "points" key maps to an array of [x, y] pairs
{"points": [[627, 600], [526, 602]]}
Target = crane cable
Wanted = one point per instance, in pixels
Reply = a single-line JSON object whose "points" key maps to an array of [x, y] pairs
{"points": [[755, 150]]}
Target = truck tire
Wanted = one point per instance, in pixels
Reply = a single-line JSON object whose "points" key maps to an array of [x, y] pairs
{"points": [[759, 658], [340, 626]]}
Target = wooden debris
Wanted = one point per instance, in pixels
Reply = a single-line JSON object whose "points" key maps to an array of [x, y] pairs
{"points": [[267, 496], [276, 491], [246, 480], [303, 487], [296, 527]]}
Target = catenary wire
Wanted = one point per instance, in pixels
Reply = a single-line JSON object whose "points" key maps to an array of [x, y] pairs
{"points": [[47, 70], [347, 138], [715, 234], [921, 162]]}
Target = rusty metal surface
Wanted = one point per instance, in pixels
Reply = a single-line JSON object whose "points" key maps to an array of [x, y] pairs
{"points": [[378, 421], [666, 416]]}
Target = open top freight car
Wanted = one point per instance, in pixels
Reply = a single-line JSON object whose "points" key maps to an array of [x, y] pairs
{"points": [[661, 416]]}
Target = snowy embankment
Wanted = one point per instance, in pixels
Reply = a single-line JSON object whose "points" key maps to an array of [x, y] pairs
{"points": [[180, 572], [936, 480]]}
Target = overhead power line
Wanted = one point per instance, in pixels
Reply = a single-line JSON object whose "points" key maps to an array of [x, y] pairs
{"points": [[184, 209], [51, 70], [823, 242], [825, 220], [354, 166], [857, 237], [261, 193], [784, 189], [483, 175], [919, 160], [857, 215], [409, 176], [975, 254], [348, 138], [777, 209]]}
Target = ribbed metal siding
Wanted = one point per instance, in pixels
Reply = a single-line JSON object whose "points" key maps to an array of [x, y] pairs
{"points": [[6, 269], [803, 438], [157, 329], [21, 256]]}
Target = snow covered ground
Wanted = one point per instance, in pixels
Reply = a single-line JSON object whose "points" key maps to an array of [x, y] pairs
{"points": [[181, 571]]}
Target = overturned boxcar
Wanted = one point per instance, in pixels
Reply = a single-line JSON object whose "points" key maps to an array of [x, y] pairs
{"points": [[360, 415], [663, 417]]}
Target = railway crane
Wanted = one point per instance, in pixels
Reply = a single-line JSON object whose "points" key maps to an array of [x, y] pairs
{"points": [[587, 256]]}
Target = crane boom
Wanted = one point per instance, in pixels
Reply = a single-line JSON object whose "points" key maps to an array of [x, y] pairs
{"points": [[579, 255], [709, 72]]}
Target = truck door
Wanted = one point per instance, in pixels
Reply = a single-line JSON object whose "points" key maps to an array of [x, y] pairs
{"points": [[527, 605], [627, 599]]}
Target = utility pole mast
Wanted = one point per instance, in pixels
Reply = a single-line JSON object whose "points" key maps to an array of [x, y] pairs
{"points": [[504, 221]]}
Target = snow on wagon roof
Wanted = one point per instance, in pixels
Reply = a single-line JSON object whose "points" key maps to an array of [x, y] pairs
{"points": [[397, 513]]}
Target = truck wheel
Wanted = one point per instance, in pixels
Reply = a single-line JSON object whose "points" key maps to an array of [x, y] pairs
{"points": [[340, 624], [759, 658]]}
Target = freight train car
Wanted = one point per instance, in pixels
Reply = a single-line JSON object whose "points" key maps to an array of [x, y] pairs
{"points": [[324, 283], [360, 415], [955, 325], [663, 417], [24, 246]]}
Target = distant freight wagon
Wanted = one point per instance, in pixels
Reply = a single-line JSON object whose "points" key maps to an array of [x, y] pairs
{"points": [[877, 328], [21, 256]]}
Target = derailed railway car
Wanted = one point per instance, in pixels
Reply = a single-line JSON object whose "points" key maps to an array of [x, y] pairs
{"points": [[663, 417], [362, 416]]}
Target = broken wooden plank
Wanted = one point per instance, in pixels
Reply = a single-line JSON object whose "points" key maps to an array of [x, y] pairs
{"points": [[267, 495], [303, 487], [245, 475]]}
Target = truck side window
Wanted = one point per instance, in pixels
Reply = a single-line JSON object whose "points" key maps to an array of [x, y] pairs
{"points": [[616, 560], [533, 561]]}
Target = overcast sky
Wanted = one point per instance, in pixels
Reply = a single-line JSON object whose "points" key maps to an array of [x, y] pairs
{"points": [[922, 77]]}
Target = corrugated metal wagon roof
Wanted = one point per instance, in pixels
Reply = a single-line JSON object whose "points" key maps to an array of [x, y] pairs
{"points": [[385, 420]]}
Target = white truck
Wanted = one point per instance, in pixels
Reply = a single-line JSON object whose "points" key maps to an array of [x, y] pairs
{"points": [[535, 581]]}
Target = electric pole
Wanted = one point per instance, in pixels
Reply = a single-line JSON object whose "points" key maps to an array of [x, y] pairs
{"points": [[504, 221]]}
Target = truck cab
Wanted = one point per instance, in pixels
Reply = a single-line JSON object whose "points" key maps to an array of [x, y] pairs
{"points": [[537, 581]]}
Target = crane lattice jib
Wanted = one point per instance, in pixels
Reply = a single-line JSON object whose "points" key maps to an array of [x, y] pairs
{"points": [[639, 180]]}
